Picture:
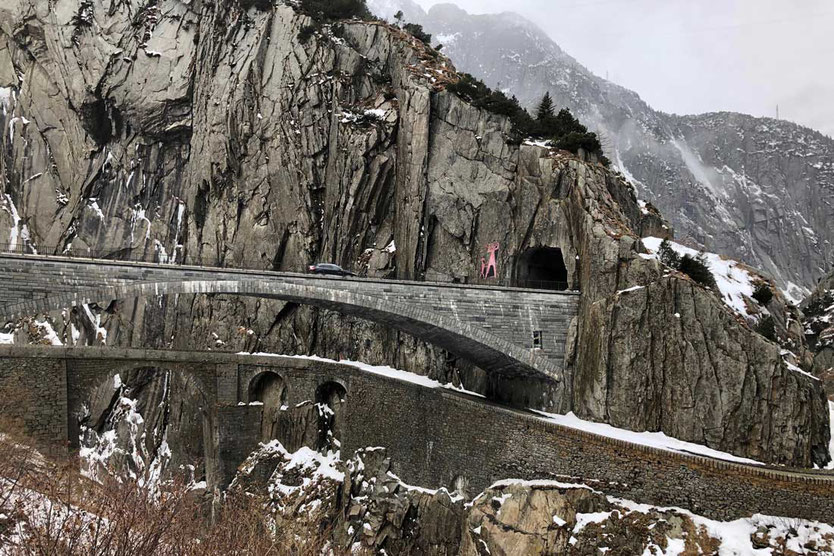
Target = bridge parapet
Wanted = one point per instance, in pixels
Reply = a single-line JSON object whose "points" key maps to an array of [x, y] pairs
{"points": [[529, 327]]}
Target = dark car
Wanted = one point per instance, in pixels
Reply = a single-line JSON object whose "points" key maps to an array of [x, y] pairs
{"points": [[329, 268]]}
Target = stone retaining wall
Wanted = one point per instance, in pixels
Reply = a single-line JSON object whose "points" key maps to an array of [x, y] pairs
{"points": [[433, 435], [33, 401]]}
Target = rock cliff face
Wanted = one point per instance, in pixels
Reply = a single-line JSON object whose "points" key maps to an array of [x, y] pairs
{"points": [[758, 189], [206, 133], [818, 310]]}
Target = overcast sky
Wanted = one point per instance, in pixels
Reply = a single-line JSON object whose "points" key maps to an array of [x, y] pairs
{"points": [[692, 56]]}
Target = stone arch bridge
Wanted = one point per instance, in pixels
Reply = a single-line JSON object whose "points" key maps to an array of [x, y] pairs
{"points": [[503, 330], [436, 437]]}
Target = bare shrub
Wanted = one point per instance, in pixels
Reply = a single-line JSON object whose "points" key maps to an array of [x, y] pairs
{"points": [[50, 508]]}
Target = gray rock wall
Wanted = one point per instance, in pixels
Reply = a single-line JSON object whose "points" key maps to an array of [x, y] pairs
{"points": [[210, 134], [758, 189]]}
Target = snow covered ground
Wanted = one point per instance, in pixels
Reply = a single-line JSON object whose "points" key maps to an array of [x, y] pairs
{"points": [[654, 439], [733, 279]]}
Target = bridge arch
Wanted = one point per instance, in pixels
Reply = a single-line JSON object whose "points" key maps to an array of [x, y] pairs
{"points": [[267, 383], [483, 348]]}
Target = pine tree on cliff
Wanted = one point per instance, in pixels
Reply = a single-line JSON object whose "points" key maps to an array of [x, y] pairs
{"points": [[545, 109]]}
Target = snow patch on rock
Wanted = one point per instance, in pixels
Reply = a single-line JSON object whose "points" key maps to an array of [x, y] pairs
{"points": [[734, 281]]}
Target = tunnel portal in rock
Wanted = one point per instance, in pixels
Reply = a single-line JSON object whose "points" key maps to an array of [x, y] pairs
{"points": [[542, 268]]}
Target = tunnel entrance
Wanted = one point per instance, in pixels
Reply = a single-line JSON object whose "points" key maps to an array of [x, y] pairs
{"points": [[542, 268], [269, 389], [330, 400]]}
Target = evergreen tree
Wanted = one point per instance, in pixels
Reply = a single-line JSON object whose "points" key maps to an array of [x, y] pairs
{"points": [[545, 109], [698, 269], [762, 293], [416, 30], [668, 256], [399, 17]]}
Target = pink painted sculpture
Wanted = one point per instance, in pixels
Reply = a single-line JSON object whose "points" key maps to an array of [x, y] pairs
{"points": [[489, 269]]}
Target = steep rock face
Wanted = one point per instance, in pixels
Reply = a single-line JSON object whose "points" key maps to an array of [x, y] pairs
{"points": [[655, 351], [145, 424], [204, 133], [757, 189], [818, 309]]}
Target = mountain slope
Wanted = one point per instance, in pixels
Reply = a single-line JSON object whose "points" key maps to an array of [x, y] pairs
{"points": [[757, 189]]}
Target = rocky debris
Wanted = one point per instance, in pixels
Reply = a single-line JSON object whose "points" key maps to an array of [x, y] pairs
{"points": [[301, 490], [206, 133], [370, 511], [543, 517], [382, 513]]}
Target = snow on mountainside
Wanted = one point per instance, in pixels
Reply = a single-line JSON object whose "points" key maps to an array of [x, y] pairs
{"points": [[758, 189], [734, 281]]}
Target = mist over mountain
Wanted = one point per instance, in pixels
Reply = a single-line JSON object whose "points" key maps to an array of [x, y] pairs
{"points": [[757, 189]]}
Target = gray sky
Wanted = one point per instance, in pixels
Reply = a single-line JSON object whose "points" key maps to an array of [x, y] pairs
{"points": [[691, 56]]}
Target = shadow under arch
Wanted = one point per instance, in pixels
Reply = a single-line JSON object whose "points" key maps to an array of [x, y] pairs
{"points": [[475, 344]]}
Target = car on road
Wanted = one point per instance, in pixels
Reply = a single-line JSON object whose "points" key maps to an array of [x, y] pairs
{"points": [[329, 268]]}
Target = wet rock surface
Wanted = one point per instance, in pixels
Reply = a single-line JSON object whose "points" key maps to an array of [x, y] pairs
{"points": [[146, 424], [818, 309]]}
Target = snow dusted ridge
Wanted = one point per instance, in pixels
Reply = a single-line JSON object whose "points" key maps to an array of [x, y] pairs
{"points": [[652, 439], [734, 281]]}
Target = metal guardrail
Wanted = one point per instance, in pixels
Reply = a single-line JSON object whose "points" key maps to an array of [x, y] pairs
{"points": [[128, 254]]}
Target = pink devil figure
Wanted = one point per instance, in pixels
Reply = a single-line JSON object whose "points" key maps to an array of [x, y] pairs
{"points": [[491, 270]]}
